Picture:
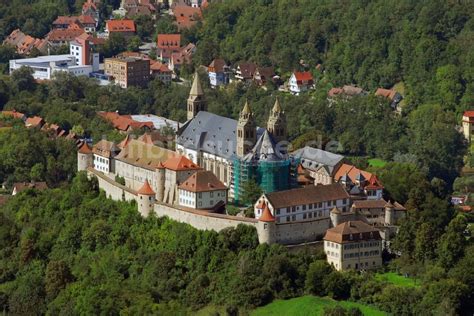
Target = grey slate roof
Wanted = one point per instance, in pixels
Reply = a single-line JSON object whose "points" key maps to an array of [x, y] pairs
{"points": [[313, 158], [264, 150], [211, 133]]}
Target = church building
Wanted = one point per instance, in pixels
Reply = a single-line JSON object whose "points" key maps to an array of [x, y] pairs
{"points": [[237, 151]]}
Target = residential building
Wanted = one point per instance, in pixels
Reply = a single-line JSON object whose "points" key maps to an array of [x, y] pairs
{"points": [[186, 16], [262, 75], [128, 71], [203, 190], [353, 245], [85, 22], [161, 72], [393, 96], [219, 73], [468, 124], [22, 186], [245, 71], [320, 164], [61, 37], [346, 92], [104, 153], [14, 114], [125, 27], [359, 183], [183, 56], [304, 204], [90, 8], [25, 44], [300, 82], [168, 44], [84, 51], [34, 122]]}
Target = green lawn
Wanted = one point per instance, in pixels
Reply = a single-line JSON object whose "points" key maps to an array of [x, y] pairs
{"points": [[376, 162], [309, 306], [397, 279]]}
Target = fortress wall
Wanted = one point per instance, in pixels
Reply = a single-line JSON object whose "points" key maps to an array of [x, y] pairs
{"points": [[299, 232]]}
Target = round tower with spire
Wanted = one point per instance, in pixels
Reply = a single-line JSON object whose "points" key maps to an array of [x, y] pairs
{"points": [[276, 124], [84, 157], [266, 226], [246, 131], [146, 199], [196, 100]]}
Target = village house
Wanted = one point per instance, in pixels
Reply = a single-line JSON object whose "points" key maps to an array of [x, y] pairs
{"points": [[300, 82], [304, 204], [34, 122], [25, 44], [129, 123], [125, 27], [219, 73], [85, 22], [161, 72], [104, 153], [186, 16], [359, 183], [345, 93], [321, 165], [262, 75], [245, 71], [183, 56], [468, 124], [22, 186], [14, 114], [61, 37], [168, 44], [353, 245], [393, 96], [203, 190], [89, 8]]}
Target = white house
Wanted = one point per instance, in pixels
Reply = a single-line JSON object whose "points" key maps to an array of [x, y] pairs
{"points": [[202, 190], [304, 204], [103, 154], [300, 82], [353, 245]]}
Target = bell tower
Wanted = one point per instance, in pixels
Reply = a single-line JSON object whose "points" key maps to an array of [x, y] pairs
{"points": [[246, 131], [196, 100], [276, 124]]}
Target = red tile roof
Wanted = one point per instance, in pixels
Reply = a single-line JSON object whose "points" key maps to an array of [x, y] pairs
{"points": [[120, 26], [146, 189], [14, 114], [352, 231], [469, 113], [186, 16], [352, 172], [267, 216], [156, 66], [21, 186], [180, 163], [334, 91], [35, 121], [303, 76], [202, 181], [169, 41], [63, 35], [85, 149], [387, 93]]}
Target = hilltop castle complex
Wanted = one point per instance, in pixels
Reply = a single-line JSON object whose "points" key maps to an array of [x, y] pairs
{"points": [[304, 193]]}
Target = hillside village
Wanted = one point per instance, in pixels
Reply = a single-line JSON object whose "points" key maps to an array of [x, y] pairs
{"points": [[147, 107]]}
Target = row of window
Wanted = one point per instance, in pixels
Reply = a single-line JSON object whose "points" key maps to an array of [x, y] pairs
{"points": [[100, 159], [361, 245], [304, 216], [362, 265], [309, 206], [364, 254]]}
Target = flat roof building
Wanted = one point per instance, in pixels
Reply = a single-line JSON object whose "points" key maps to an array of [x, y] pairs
{"points": [[128, 71]]}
